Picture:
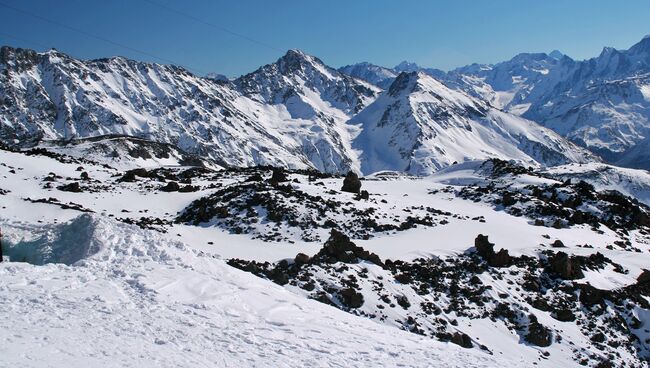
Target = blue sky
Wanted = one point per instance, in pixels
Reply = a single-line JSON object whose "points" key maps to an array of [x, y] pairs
{"points": [[442, 34]]}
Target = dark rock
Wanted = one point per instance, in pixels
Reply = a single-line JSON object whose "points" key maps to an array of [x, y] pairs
{"points": [[483, 246], [558, 244], [500, 259], [188, 189], [462, 339], [564, 315], [84, 176], [130, 176], [351, 298], [71, 187], [351, 183], [485, 249], [278, 176], [590, 295], [508, 199], [339, 248], [538, 335], [644, 277], [564, 266], [172, 186], [301, 258], [363, 195]]}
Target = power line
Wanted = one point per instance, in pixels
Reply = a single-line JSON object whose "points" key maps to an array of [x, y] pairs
{"points": [[7, 35], [100, 38], [223, 29]]}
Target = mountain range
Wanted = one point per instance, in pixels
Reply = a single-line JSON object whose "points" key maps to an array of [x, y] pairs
{"points": [[539, 109], [601, 103]]}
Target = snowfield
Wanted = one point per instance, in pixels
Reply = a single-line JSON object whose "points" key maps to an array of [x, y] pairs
{"points": [[141, 300], [91, 283]]}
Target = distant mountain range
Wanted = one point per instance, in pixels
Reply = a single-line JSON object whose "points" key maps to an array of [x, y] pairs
{"points": [[601, 103], [299, 113]]}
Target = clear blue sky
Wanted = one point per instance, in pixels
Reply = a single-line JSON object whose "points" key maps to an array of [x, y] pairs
{"points": [[442, 34]]}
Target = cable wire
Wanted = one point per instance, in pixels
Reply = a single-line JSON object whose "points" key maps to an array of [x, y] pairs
{"points": [[223, 29], [97, 37]]}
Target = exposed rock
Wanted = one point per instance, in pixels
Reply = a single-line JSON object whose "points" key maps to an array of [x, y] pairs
{"points": [[462, 339], [339, 248], [590, 295], [351, 183], [485, 249], [71, 187], [538, 334], [564, 266], [483, 246], [301, 258], [278, 176], [644, 277], [172, 186], [558, 244], [351, 298]]}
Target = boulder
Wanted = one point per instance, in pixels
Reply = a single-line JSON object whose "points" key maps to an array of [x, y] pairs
{"points": [[339, 248], [172, 186], [538, 335], [558, 244], [564, 266], [351, 183], [278, 176], [351, 298], [485, 249], [301, 258], [644, 277], [73, 187], [462, 339], [483, 246]]}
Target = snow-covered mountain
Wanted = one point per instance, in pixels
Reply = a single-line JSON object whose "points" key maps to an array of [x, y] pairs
{"points": [[512, 85], [296, 112], [419, 125], [318, 99], [371, 73], [601, 103], [295, 120]]}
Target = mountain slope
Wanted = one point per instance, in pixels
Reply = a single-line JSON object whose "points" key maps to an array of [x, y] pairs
{"points": [[318, 99], [419, 125], [374, 74], [602, 103], [294, 120]]}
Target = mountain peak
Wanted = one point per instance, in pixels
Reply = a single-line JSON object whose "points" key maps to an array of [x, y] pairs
{"points": [[556, 54], [641, 47], [407, 66]]}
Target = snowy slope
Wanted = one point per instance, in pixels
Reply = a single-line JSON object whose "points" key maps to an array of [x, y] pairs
{"points": [[133, 298], [318, 98], [137, 274], [419, 125]]}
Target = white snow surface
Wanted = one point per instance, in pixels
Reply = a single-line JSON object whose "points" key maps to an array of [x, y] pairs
{"points": [[141, 300]]}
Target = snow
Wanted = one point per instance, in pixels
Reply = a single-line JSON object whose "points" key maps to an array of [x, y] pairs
{"points": [[124, 296], [145, 301], [426, 126]]}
